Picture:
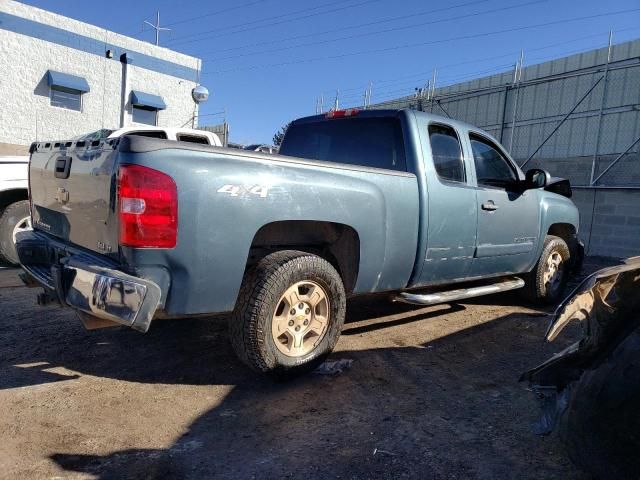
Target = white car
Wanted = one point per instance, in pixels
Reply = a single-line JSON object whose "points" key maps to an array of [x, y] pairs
{"points": [[14, 204], [179, 134], [14, 185]]}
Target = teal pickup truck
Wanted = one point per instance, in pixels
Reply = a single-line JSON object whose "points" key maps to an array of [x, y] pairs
{"points": [[423, 208]]}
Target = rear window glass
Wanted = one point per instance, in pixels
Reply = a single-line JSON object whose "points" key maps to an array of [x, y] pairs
{"points": [[149, 133], [370, 142], [193, 139]]}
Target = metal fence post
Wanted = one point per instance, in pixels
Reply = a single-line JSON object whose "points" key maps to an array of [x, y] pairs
{"points": [[504, 112], [600, 114], [517, 77], [433, 88]]}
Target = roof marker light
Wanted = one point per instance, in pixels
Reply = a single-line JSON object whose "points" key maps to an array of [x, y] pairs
{"points": [[349, 112]]}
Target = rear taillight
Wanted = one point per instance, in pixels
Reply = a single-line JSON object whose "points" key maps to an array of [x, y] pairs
{"points": [[147, 208]]}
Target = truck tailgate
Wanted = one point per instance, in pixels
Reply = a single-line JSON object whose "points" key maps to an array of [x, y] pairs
{"points": [[72, 188]]}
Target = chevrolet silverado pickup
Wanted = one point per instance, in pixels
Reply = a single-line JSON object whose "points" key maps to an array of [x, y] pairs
{"points": [[14, 205], [423, 208]]}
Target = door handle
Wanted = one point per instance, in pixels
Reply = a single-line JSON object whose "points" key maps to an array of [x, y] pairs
{"points": [[490, 205]]}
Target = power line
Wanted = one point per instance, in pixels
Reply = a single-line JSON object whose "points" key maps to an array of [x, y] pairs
{"points": [[495, 71], [348, 27], [409, 90], [216, 12], [379, 32], [424, 74], [266, 22], [422, 44]]}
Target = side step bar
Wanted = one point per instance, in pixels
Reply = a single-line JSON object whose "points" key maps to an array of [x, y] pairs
{"points": [[459, 294]]}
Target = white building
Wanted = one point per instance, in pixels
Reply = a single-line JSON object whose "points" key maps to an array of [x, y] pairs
{"points": [[60, 78]]}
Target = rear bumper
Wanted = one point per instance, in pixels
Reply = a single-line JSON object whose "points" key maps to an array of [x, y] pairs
{"points": [[89, 284]]}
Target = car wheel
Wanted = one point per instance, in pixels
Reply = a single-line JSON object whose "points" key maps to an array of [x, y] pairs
{"points": [[15, 218], [601, 426], [545, 284], [289, 313]]}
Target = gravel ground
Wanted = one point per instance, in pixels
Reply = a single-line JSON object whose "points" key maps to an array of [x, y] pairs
{"points": [[432, 393]]}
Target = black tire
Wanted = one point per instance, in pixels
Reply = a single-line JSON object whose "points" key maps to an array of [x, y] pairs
{"points": [[12, 216], [601, 425], [250, 325], [535, 289]]}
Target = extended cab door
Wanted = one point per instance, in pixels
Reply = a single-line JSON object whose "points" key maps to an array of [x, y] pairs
{"points": [[449, 207], [508, 218]]}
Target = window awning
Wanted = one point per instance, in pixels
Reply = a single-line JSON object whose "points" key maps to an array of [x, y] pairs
{"points": [[141, 99], [59, 79]]}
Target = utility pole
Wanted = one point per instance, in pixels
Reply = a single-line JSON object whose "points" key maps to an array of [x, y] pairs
{"points": [[157, 27], [336, 103]]}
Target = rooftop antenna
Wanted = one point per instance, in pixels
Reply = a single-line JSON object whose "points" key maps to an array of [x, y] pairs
{"points": [[157, 27], [336, 103]]}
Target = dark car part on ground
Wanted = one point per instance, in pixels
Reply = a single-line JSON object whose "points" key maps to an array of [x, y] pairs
{"points": [[591, 390]]}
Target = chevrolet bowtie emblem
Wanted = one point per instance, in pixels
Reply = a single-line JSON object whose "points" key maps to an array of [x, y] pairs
{"points": [[62, 196]]}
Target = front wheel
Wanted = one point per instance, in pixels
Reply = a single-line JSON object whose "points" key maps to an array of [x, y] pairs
{"points": [[545, 284], [289, 313]]}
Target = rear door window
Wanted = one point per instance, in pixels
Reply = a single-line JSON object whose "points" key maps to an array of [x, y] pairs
{"points": [[447, 153], [369, 142]]}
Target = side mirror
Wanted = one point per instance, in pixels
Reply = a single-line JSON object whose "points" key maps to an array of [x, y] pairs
{"points": [[536, 178]]}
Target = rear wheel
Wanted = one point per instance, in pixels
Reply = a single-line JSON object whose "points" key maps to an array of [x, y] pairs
{"points": [[15, 218], [545, 284], [289, 313]]}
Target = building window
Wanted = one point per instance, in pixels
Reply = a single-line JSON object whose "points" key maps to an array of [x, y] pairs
{"points": [[66, 98], [65, 90], [145, 115]]}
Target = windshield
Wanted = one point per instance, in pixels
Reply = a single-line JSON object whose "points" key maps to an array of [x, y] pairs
{"points": [[97, 135], [370, 142]]}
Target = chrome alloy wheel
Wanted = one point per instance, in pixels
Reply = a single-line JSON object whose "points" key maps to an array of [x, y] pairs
{"points": [[553, 273], [301, 318], [23, 225]]}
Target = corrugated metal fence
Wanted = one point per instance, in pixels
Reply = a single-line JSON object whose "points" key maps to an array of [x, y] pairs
{"points": [[576, 115]]}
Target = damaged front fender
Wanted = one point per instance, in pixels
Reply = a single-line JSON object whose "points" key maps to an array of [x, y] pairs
{"points": [[606, 305]]}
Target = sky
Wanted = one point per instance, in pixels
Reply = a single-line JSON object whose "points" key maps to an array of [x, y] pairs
{"points": [[266, 62]]}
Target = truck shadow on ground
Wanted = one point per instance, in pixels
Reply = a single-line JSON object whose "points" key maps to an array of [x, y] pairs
{"points": [[185, 351], [452, 408], [449, 407]]}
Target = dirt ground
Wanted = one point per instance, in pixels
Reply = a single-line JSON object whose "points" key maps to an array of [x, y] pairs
{"points": [[432, 393]]}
